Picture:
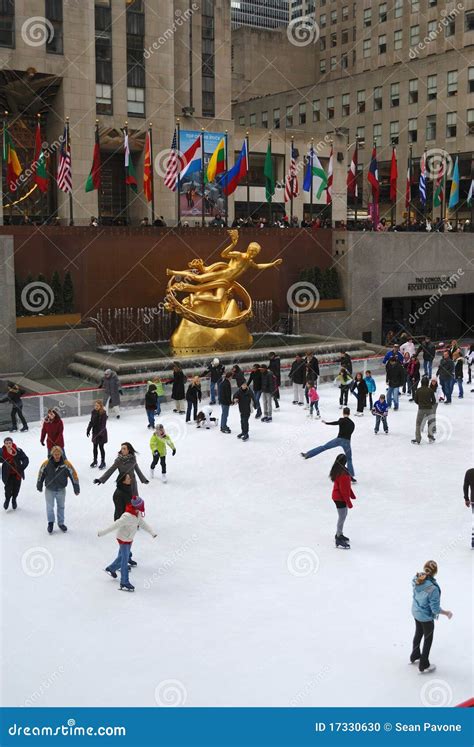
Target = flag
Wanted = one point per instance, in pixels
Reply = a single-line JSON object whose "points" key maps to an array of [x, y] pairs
{"points": [[234, 176], [454, 193], [216, 164], [64, 175], [329, 179], [11, 159], [268, 173], [422, 182], [373, 177], [191, 160], [438, 196], [352, 190], [148, 170], [408, 184], [39, 163], [393, 176], [171, 176], [470, 194], [130, 176], [291, 184], [94, 178], [314, 169]]}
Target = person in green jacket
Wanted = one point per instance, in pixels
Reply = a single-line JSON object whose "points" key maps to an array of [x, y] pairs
{"points": [[158, 443]]}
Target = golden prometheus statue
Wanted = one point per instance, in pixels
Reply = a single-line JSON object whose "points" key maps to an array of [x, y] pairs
{"points": [[212, 319]]}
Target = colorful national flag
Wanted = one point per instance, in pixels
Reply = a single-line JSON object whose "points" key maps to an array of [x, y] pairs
{"points": [[230, 181], [438, 195], [422, 182], [216, 164], [373, 177], [171, 176], [393, 176], [268, 173], [454, 192], [64, 175], [315, 170], [330, 177], [39, 164], [94, 178], [191, 160], [291, 183], [148, 170], [11, 159], [130, 176], [470, 194], [352, 190]]}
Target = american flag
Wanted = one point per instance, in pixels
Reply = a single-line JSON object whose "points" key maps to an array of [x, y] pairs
{"points": [[291, 183], [64, 167], [172, 167]]}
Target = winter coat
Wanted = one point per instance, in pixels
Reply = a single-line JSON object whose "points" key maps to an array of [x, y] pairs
{"points": [[193, 393], [15, 466], [346, 427], [125, 465], [111, 387], [268, 382], [313, 395], [446, 369], [274, 365], [424, 398], [346, 362], [179, 379], [13, 396], [151, 400], [426, 600], [298, 372], [255, 381], [126, 528], [408, 347], [359, 388], [311, 369], [428, 349], [342, 490], [239, 376], [436, 392], [380, 408], [214, 372], [244, 399], [52, 431], [98, 426], [413, 370], [342, 381], [54, 475], [122, 496], [389, 355], [396, 375], [225, 392], [370, 384], [468, 485], [159, 444], [458, 366]]}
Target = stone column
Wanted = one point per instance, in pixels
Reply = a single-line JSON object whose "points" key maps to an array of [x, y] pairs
{"points": [[339, 185], [7, 307]]}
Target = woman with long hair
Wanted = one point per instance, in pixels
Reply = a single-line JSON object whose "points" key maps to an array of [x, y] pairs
{"points": [[98, 426], [426, 609], [342, 496], [126, 463]]}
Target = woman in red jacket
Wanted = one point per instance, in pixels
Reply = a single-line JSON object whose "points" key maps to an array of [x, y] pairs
{"points": [[52, 431], [341, 495]]}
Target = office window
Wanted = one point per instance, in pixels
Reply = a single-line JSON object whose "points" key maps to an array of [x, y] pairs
{"points": [[360, 102], [415, 6], [398, 39], [253, 120], [242, 121], [135, 27], [470, 80], [414, 35], [345, 36], [7, 23], [368, 17], [452, 82], [265, 120], [412, 130], [432, 87], [345, 13], [208, 74], [377, 135], [469, 20], [346, 104], [470, 121], [360, 134], [330, 107], [103, 57], [103, 98], [413, 91], [377, 98], [289, 116], [366, 48], [316, 110], [322, 20], [344, 61], [334, 39], [276, 118], [432, 29], [136, 101], [302, 114], [395, 94], [54, 14], [450, 28], [322, 43], [394, 133], [333, 16], [398, 8], [451, 124], [431, 127], [382, 12], [333, 63], [322, 66], [382, 44]]}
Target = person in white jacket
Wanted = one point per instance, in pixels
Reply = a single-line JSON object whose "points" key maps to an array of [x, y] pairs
{"points": [[205, 418], [126, 527], [408, 347]]}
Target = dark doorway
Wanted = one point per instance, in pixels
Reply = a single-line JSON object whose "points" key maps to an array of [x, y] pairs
{"points": [[113, 196], [450, 316]]}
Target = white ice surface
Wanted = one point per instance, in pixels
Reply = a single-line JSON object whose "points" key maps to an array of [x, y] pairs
{"points": [[216, 607]]}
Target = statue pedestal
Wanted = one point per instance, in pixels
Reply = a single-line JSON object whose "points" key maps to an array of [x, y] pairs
{"points": [[191, 339]]}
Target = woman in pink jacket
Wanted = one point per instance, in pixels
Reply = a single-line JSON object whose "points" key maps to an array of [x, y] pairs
{"points": [[342, 496]]}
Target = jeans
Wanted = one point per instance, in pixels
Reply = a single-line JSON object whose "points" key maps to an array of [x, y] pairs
{"points": [[121, 561], [298, 392], [244, 424], [256, 399], [344, 443], [267, 404], [59, 496], [460, 388], [151, 417], [428, 368], [162, 459], [343, 395], [95, 449], [447, 387], [158, 406], [314, 406], [191, 406], [212, 388], [224, 416], [393, 394], [341, 517], [422, 630], [379, 419], [17, 411]]}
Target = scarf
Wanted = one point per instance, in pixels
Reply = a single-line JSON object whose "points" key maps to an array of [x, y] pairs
{"points": [[9, 457]]}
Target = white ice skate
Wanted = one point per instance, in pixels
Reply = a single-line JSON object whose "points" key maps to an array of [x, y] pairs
{"points": [[152, 474], [164, 478], [430, 669]]}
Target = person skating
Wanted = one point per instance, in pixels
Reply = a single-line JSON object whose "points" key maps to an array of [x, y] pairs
{"points": [[52, 431], [425, 398], [205, 418], [343, 440], [243, 398], [434, 386], [371, 387], [125, 462], [225, 399], [468, 493], [342, 495], [14, 462], [13, 397], [215, 371], [159, 442], [123, 494], [343, 380], [177, 390], [393, 353], [395, 374], [453, 348], [238, 375], [413, 375], [458, 372], [428, 349], [346, 362], [311, 367], [408, 347], [98, 427], [112, 391], [274, 364], [160, 391], [380, 410], [126, 528], [193, 397], [151, 404], [255, 384], [54, 474], [268, 387], [426, 609], [359, 390], [313, 398], [445, 375], [470, 363], [297, 377]]}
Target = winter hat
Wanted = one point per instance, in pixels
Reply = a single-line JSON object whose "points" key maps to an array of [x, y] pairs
{"points": [[138, 503], [108, 371], [215, 362]]}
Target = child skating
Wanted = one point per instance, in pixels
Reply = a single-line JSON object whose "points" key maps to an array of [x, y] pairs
{"points": [[159, 442], [313, 399], [371, 387], [380, 410]]}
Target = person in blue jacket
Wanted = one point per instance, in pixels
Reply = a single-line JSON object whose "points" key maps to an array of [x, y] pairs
{"points": [[395, 351], [380, 410], [371, 386], [426, 608]]}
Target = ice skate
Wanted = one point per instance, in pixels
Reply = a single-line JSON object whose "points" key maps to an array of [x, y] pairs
{"points": [[342, 543], [126, 587], [110, 573], [63, 527], [152, 474], [164, 478], [94, 464], [50, 527], [428, 670], [102, 465]]}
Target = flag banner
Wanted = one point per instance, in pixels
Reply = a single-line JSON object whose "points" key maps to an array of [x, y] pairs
{"points": [[148, 170], [216, 165], [454, 192], [422, 182], [10, 158], [438, 195], [470, 194], [94, 178], [291, 183], [64, 175], [373, 177], [172, 165], [352, 189], [234, 176], [330, 178], [191, 164], [269, 175], [39, 164], [130, 176], [315, 171], [393, 176]]}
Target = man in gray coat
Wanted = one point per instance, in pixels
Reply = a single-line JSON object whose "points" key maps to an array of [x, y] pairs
{"points": [[112, 391]]}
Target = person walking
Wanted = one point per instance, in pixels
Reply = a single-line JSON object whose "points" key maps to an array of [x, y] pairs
{"points": [[244, 399], [177, 390], [52, 431], [255, 382], [267, 392], [226, 401], [54, 474], [371, 386], [159, 442], [445, 375], [342, 495], [13, 397], [343, 440], [215, 371], [343, 380], [380, 410], [395, 374], [428, 349], [112, 391], [359, 390], [426, 400], [413, 374], [297, 378], [98, 427], [14, 462], [151, 404], [426, 608], [468, 493], [193, 396], [458, 372], [125, 462]]}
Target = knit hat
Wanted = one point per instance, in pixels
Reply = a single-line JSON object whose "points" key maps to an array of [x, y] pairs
{"points": [[138, 503], [215, 362]]}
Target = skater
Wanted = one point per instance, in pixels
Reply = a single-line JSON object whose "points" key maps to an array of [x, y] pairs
{"points": [[225, 401], [407, 382], [313, 398], [205, 418], [126, 527], [52, 431], [297, 378], [343, 439], [343, 381], [435, 388], [160, 391], [425, 609], [177, 391], [13, 396], [255, 382], [445, 375], [408, 347], [393, 353], [426, 400], [54, 474], [371, 386], [14, 462], [468, 491], [158, 443], [428, 349], [268, 387], [151, 404], [342, 496], [395, 379], [112, 391], [193, 396], [413, 374], [98, 426], [311, 367], [215, 371], [359, 390], [125, 462], [274, 365], [380, 410], [346, 362], [458, 372], [238, 375], [470, 363], [453, 348], [244, 399]]}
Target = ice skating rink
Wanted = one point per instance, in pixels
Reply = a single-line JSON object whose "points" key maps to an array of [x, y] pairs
{"points": [[243, 600]]}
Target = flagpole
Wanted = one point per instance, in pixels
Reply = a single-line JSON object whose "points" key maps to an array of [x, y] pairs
{"points": [[456, 212], [97, 140], [356, 195], [68, 150], [178, 181], [226, 197], [443, 200], [203, 202], [271, 196], [410, 152], [311, 156], [43, 194], [152, 181], [393, 208], [248, 174], [4, 190], [125, 131], [292, 178]]}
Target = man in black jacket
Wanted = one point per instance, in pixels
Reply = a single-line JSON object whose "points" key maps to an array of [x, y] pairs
{"points": [[255, 381], [274, 365], [215, 371], [267, 392], [396, 376], [343, 439], [225, 398], [297, 378], [468, 487], [428, 349], [445, 374], [13, 396], [244, 400], [14, 462]]}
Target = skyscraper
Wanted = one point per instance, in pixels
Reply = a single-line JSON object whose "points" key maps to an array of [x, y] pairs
{"points": [[264, 14]]}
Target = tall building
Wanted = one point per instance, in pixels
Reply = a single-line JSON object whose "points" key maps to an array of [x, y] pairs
{"points": [[263, 14], [301, 8]]}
